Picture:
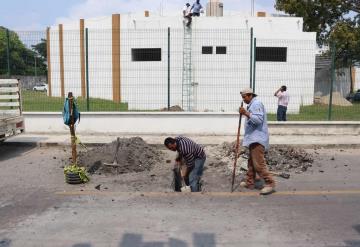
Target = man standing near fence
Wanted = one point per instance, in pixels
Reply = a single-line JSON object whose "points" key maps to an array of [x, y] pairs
{"points": [[283, 101], [196, 8], [256, 138], [193, 155], [187, 14]]}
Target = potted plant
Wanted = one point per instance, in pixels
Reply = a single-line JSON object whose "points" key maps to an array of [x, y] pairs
{"points": [[75, 174]]}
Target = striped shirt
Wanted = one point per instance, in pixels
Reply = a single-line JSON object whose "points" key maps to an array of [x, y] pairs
{"points": [[189, 150]]}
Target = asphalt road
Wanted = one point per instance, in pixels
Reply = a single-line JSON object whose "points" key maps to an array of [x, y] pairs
{"points": [[317, 208]]}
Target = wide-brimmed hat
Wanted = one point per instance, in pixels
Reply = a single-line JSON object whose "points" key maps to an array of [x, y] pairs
{"points": [[248, 91]]}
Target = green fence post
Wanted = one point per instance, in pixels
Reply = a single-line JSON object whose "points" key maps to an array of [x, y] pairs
{"points": [[87, 69], [8, 51], [254, 71], [168, 68], [332, 79], [35, 64], [251, 55]]}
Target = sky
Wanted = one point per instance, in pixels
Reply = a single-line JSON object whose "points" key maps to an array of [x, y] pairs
{"points": [[36, 15]]}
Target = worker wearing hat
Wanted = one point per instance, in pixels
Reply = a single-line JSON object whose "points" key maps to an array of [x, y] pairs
{"points": [[256, 138]]}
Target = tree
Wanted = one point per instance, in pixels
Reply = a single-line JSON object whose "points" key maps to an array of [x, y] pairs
{"points": [[335, 21], [22, 59], [40, 48]]}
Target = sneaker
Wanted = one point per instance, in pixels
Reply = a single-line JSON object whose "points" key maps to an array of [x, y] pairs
{"points": [[267, 190], [243, 184]]}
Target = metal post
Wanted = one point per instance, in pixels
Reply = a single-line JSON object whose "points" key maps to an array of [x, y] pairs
{"points": [[87, 69], [168, 68], [254, 71], [8, 52], [252, 7], [35, 64], [251, 54], [332, 78]]}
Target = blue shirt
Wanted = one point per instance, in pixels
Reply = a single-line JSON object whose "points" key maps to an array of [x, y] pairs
{"points": [[256, 129], [196, 8]]}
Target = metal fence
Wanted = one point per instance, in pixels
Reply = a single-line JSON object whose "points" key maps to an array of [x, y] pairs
{"points": [[174, 69]]}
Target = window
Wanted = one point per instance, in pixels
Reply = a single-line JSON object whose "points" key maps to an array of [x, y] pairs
{"points": [[146, 54], [220, 49], [207, 50], [271, 54]]}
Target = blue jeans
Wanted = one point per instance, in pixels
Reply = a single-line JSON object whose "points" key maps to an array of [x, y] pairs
{"points": [[281, 113], [195, 174]]}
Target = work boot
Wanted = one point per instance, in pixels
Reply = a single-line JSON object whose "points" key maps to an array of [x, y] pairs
{"points": [[267, 190], [245, 185]]}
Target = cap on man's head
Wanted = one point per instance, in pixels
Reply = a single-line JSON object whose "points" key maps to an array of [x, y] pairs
{"points": [[248, 91], [187, 4]]}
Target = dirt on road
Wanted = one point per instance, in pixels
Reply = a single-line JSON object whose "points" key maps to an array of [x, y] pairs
{"points": [[144, 167]]}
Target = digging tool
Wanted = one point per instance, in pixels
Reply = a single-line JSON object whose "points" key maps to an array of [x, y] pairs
{"points": [[179, 184], [116, 153], [176, 183], [185, 188], [236, 150]]}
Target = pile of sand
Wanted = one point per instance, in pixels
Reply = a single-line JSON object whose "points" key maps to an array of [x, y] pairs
{"points": [[134, 155]]}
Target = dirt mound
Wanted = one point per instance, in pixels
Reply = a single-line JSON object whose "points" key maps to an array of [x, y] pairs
{"points": [[134, 155], [288, 159], [172, 108], [278, 158]]}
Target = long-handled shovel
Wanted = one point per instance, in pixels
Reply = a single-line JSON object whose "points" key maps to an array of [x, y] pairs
{"points": [[115, 164], [236, 150]]}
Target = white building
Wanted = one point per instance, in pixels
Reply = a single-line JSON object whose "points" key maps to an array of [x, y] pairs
{"points": [[120, 70]]}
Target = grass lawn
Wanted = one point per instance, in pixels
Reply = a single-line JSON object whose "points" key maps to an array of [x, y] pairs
{"points": [[39, 101], [320, 113]]}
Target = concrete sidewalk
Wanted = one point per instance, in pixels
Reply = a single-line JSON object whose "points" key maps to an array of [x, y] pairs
{"points": [[296, 140]]}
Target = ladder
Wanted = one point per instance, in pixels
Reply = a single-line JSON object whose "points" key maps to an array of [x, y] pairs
{"points": [[187, 71]]}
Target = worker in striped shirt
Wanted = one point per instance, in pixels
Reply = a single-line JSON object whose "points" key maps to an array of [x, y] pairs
{"points": [[193, 155]]}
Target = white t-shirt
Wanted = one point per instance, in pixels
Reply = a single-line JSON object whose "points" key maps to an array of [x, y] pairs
{"points": [[283, 98], [186, 10]]}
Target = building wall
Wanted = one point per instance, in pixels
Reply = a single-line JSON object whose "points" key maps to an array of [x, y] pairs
{"points": [[100, 57], [218, 78], [55, 62], [357, 78]]}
